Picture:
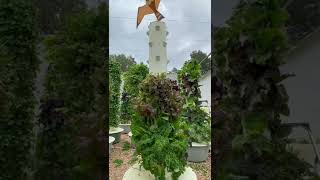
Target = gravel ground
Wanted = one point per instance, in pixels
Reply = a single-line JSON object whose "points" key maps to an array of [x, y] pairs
{"points": [[203, 170]]}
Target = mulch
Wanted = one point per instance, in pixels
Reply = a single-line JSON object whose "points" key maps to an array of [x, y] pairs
{"points": [[203, 170]]}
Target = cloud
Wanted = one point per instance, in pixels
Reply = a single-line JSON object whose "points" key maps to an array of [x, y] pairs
{"points": [[188, 23]]}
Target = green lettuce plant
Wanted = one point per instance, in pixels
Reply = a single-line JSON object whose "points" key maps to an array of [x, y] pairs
{"points": [[158, 129]]}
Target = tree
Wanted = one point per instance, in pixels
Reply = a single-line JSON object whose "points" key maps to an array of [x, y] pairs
{"points": [[132, 79], [125, 61], [52, 14], [18, 66], [114, 96], [3, 101], [198, 56], [77, 77]]}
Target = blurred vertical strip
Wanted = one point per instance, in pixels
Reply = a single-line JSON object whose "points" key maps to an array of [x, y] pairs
{"points": [[18, 67]]}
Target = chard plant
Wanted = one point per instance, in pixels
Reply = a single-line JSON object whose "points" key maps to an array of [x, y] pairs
{"points": [[197, 118], [158, 129]]}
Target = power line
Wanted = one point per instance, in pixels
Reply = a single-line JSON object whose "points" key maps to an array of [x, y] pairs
{"points": [[205, 58], [198, 40], [169, 20]]}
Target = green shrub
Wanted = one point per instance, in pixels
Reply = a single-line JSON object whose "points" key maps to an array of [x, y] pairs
{"points": [[18, 68], [132, 79], [198, 119], [73, 146], [158, 129], [114, 97], [125, 109]]}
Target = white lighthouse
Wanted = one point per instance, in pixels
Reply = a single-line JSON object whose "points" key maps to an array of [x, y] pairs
{"points": [[158, 59]]}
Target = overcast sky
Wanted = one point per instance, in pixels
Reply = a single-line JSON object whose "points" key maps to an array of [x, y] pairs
{"points": [[188, 23]]}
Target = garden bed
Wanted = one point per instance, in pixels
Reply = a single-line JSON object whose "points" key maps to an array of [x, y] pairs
{"points": [[119, 162]]}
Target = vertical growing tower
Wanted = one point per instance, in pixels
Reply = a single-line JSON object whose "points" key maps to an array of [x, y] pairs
{"points": [[158, 60]]}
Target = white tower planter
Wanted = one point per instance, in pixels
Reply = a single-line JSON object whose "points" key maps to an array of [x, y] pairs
{"points": [[158, 59]]}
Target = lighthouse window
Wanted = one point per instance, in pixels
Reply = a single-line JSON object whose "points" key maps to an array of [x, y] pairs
{"points": [[150, 44], [157, 28], [158, 58], [164, 44]]}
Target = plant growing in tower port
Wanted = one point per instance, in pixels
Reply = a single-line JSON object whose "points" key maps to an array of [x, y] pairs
{"points": [[199, 120], [248, 53], [157, 127]]}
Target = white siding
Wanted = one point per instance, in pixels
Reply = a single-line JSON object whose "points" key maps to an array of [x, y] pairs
{"points": [[205, 88], [304, 88], [172, 76], [304, 92]]}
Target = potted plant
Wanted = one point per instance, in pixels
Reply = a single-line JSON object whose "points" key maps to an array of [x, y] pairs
{"points": [[114, 100], [159, 132], [111, 140], [125, 116], [199, 137], [198, 119]]}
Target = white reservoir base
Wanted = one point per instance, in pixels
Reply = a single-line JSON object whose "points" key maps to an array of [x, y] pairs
{"points": [[134, 173]]}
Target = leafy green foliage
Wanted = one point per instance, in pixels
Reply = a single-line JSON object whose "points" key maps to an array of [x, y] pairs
{"points": [[114, 97], [53, 14], [188, 78], [118, 162], [54, 149], [132, 79], [3, 101], [125, 109], [126, 146], [18, 67], [198, 56], [200, 129], [250, 97], [198, 119], [304, 18], [158, 129], [125, 62], [75, 147]]}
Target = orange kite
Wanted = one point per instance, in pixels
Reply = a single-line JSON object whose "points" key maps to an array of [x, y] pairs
{"points": [[150, 7]]}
